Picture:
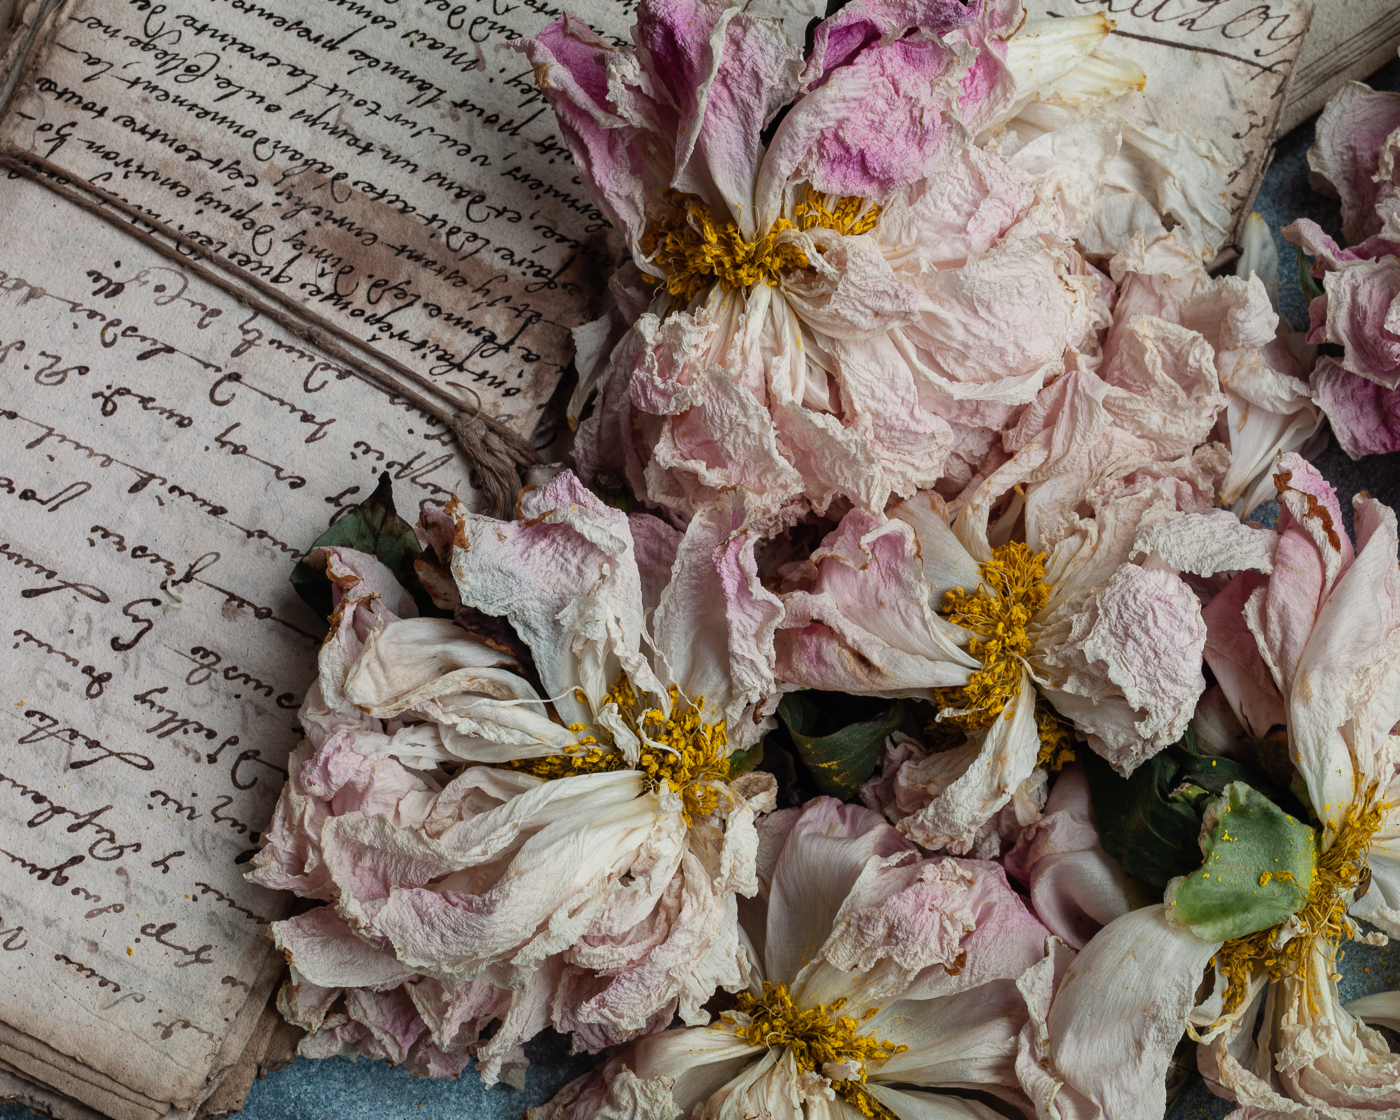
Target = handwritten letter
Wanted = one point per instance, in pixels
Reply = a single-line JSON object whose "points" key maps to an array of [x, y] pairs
{"points": [[164, 457], [1219, 69], [386, 166]]}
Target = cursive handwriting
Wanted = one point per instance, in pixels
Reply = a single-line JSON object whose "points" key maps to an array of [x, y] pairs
{"points": [[106, 848], [236, 449], [88, 972], [197, 956], [43, 873], [205, 888], [96, 681], [47, 728], [17, 558]]}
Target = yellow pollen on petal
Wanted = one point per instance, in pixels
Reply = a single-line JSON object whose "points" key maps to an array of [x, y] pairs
{"points": [[1056, 742], [1339, 871], [998, 612], [814, 1036], [689, 754], [697, 251]]}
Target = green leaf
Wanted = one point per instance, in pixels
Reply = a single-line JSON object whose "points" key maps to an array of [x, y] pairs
{"points": [[1258, 868], [839, 761], [373, 527], [1140, 822], [741, 762], [1214, 772], [1311, 288]]}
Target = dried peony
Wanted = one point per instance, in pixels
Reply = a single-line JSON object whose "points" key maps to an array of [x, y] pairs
{"points": [[1076, 888], [1309, 641], [885, 985], [1230, 324], [849, 271], [1354, 156], [1022, 625], [529, 814]]}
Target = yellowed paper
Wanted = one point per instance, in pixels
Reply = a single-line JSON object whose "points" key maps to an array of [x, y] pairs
{"points": [[164, 456], [1348, 41], [388, 169]]}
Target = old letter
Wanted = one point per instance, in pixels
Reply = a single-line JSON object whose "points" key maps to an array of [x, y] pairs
{"points": [[1348, 40], [385, 166], [165, 455]]}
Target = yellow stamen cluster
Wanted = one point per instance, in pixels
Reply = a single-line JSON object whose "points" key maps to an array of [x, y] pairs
{"points": [[815, 1036], [1056, 741], [589, 760], [696, 251], [1340, 870], [998, 612], [682, 751], [850, 216], [689, 754]]}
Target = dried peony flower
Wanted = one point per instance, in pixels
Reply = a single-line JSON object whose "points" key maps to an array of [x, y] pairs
{"points": [[1314, 645], [885, 986], [850, 271], [530, 813], [1354, 156], [1016, 640], [1230, 323], [1310, 641], [1076, 888]]}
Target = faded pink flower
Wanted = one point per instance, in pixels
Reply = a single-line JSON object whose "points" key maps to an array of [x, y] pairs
{"points": [[1307, 640], [528, 815], [1230, 324], [1076, 887], [857, 307], [884, 984], [1354, 156], [907, 605]]}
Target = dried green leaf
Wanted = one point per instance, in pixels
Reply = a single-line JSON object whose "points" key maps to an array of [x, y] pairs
{"points": [[839, 761], [741, 762], [1140, 823], [1258, 869], [1311, 288], [374, 527]]}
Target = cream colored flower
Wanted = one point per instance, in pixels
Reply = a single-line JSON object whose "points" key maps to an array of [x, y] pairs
{"points": [[885, 986], [529, 813]]}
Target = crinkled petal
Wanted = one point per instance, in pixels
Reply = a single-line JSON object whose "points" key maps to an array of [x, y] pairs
{"points": [[1140, 973]]}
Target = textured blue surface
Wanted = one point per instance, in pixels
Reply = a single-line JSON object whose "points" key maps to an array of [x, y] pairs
{"points": [[342, 1090]]}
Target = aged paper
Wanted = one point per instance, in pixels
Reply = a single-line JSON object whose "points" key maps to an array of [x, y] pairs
{"points": [[1220, 69], [164, 456], [385, 166], [1348, 41]]}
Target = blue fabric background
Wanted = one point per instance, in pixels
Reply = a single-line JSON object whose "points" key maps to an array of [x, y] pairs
{"points": [[342, 1090]]}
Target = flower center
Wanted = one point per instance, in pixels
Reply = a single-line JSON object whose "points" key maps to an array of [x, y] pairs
{"points": [[681, 751], [1339, 871], [696, 251], [815, 1037], [998, 612]]}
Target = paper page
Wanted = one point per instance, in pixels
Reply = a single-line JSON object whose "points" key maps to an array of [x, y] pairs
{"points": [[386, 166], [1348, 41], [1220, 69], [164, 455]]}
